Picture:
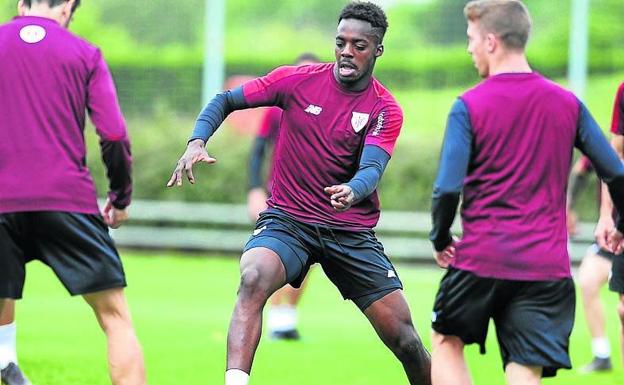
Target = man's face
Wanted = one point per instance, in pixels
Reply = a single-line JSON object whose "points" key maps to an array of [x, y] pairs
{"points": [[356, 50], [478, 48]]}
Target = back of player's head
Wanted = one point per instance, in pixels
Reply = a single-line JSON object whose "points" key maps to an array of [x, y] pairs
{"points": [[507, 19], [51, 3], [367, 11], [307, 57]]}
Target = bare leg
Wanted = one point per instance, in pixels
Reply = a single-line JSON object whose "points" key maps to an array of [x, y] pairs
{"points": [[391, 318], [517, 374], [448, 365], [7, 311], [125, 358], [262, 273], [593, 274]]}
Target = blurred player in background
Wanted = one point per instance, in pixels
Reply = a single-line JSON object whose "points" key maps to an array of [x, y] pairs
{"points": [[593, 274], [48, 207], [282, 312], [608, 229], [508, 149], [338, 130]]}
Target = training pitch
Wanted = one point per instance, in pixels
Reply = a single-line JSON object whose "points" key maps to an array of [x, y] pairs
{"points": [[181, 307]]}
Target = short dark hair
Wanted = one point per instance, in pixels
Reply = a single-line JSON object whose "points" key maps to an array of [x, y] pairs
{"points": [[51, 3], [367, 11]]}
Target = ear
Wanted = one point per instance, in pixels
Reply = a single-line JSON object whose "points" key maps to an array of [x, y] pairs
{"points": [[491, 43], [380, 50], [21, 8], [69, 5]]}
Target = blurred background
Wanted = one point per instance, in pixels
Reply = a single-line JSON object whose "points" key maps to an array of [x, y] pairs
{"points": [[155, 49]]}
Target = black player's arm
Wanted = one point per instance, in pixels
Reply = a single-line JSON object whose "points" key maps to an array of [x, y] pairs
{"points": [[256, 158], [454, 161], [215, 112], [592, 142], [372, 165]]}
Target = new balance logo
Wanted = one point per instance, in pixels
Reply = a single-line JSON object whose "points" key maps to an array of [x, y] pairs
{"points": [[391, 274], [314, 110], [379, 125], [258, 231]]}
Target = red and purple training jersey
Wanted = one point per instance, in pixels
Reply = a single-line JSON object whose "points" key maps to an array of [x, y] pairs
{"points": [[48, 79], [322, 133], [617, 122], [514, 209]]}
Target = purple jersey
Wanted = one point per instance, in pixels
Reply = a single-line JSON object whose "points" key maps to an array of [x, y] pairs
{"points": [[513, 213], [322, 133], [48, 78], [617, 122]]}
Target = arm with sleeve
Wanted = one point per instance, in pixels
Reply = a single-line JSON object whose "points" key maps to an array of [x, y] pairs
{"points": [[372, 165], [591, 141], [106, 115], [454, 161]]}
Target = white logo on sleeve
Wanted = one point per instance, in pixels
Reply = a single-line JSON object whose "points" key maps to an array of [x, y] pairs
{"points": [[379, 125], [314, 110], [258, 231], [358, 121], [391, 274], [32, 34]]}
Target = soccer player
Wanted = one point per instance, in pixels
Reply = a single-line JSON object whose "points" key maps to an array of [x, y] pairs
{"points": [[282, 312], [338, 130], [607, 231], [508, 149], [593, 274], [48, 209]]}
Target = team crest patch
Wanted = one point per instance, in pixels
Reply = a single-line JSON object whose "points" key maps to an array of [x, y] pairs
{"points": [[358, 121], [32, 34]]}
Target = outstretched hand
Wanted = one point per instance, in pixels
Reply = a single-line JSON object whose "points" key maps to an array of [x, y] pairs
{"points": [[341, 197], [195, 152]]}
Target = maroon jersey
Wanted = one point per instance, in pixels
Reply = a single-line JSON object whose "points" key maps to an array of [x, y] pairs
{"points": [[322, 133]]}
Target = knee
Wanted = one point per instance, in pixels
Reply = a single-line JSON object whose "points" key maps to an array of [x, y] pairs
{"points": [[252, 285], [621, 311], [408, 347], [587, 283]]}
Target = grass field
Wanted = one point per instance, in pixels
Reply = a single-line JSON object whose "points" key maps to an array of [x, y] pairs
{"points": [[181, 307]]}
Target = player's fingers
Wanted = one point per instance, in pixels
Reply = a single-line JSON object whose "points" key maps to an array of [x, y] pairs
{"points": [[207, 159], [340, 194], [329, 190], [176, 177], [188, 170]]}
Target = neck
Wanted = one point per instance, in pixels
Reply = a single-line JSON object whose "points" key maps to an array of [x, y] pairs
{"points": [[43, 10], [510, 62]]}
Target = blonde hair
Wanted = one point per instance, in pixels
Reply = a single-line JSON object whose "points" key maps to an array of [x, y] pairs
{"points": [[507, 19]]}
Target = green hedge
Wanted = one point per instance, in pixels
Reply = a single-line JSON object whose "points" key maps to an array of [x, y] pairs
{"points": [[406, 185]]}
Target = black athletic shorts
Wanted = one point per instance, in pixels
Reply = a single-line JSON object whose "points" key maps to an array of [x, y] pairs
{"points": [[596, 250], [353, 260], [76, 246], [533, 319], [616, 281]]}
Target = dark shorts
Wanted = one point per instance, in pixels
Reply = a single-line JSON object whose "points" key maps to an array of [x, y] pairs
{"points": [[596, 250], [353, 260], [616, 281], [76, 246], [533, 319]]}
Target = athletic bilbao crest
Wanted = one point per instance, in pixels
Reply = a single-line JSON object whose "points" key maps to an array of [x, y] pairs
{"points": [[358, 121]]}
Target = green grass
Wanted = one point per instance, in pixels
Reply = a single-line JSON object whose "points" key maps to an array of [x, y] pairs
{"points": [[181, 307]]}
